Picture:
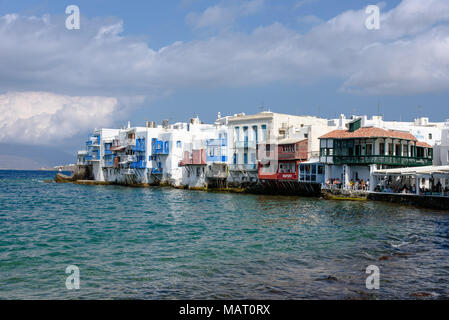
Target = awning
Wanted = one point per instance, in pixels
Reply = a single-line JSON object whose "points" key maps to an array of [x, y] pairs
{"points": [[427, 170], [120, 148]]}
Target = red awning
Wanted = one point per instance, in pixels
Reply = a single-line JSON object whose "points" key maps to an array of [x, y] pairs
{"points": [[118, 148]]}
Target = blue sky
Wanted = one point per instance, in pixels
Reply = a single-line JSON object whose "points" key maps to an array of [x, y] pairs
{"points": [[154, 60]]}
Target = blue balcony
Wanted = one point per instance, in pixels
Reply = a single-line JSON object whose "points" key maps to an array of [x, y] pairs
{"points": [[107, 149], [108, 163], [160, 147], [95, 154], [93, 141], [217, 142], [140, 145], [138, 165], [108, 160], [217, 159], [156, 171]]}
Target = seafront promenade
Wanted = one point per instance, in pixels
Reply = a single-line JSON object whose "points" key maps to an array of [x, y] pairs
{"points": [[440, 202]]}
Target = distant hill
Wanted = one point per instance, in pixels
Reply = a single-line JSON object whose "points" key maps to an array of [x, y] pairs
{"points": [[33, 157]]}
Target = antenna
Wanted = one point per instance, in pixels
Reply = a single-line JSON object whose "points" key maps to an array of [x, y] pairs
{"points": [[378, 109], [262, 107], [419, 111]]}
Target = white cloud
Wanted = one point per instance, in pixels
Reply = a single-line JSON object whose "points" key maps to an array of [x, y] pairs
{"points": [[302, 3], [309, 19], [44, 118], [406, 56], [220, 16], [111, 30]]}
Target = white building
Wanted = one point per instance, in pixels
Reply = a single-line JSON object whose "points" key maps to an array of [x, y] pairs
{"points": [[152, 154], [266, 129], [204, 146], [443, 148]]}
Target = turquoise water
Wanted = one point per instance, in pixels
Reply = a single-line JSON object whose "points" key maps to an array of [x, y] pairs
{"points": [[162, 243]]}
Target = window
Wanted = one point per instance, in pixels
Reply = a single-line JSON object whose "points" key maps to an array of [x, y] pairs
{"points": [[369, 149], [264, 132], [253, 158], [381, 149], [405, 150], [245, 134], [448, 155], [430, 136], [245, 158], [320, 170], [235, 158], [255, 135], [178, 144]]}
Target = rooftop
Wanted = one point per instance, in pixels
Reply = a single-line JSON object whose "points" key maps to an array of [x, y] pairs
{"points": [[369, 132], [291, 141]]}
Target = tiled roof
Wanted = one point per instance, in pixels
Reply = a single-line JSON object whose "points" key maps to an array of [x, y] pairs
{"points": [[369, 132], [423, 144], [291, 141]]}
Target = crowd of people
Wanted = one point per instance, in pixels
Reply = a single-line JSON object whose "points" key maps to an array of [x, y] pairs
{"points": [[407, 189], [364, 185], [358, 184]]}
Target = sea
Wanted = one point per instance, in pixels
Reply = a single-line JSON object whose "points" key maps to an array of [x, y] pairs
{"points": [[165, 243]]}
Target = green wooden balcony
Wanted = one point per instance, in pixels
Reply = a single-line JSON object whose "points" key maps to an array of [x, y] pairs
{"points": [[387, 160]]}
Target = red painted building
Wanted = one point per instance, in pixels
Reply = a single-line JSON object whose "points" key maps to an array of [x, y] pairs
{"points": [[282, 162]]}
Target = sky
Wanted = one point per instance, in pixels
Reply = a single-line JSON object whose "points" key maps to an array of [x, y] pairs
{"points": [[154, 60]]}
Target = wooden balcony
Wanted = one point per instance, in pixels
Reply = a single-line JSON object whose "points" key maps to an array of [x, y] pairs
{"points": [[386, 160]]}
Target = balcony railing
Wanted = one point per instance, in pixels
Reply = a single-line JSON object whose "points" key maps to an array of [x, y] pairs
{"points": [[245, 167], [138, 165], [139, 145], [108, 163], [387, 160], [92, 144], [245, 144], [217, 142], [223, 159], [157, 171]]}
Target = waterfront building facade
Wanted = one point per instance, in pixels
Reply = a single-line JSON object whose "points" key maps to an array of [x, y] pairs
{"points": [[246, 150], [283, 163], [250, 134], [204, 152], [355, 153], [443, 148], [95, 150], [421, 128]]}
